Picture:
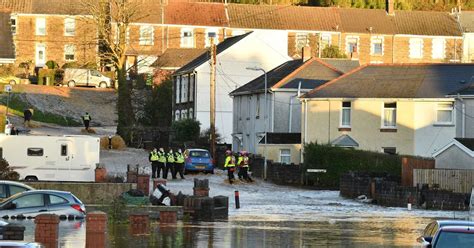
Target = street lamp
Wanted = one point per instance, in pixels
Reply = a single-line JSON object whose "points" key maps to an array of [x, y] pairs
{"points": [[255, 68]]}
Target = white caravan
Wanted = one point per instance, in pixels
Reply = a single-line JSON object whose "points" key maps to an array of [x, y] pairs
{"points": [[51, 158]]}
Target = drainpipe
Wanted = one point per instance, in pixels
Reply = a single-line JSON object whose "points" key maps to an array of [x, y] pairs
{"points": [[329, 122], [463, 113], [273, 111], [305, 127]]}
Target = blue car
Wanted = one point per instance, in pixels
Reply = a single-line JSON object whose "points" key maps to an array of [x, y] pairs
{"points": [[197, 160]]}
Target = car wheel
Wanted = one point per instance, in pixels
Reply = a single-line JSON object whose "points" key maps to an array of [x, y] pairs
{"points": [[12, 82], [103, 85], [71, 84], [31, 179]]}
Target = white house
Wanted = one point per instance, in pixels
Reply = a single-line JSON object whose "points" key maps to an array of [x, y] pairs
{"points": [[191, 87], [466, 21]]}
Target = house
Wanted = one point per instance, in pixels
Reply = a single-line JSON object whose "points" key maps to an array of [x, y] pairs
{"points": [[173, 59], [458, 154], [466, 21], [391, 108], [191, 88], [283, 148], [283, 112], [7, 48]]}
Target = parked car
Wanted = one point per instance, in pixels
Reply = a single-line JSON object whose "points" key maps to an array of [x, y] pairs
{"points": [[9, 80], [9, 188], [85, 77], [431, 229], [35, 202], [453, 236], [198, 160], [20, 244]]}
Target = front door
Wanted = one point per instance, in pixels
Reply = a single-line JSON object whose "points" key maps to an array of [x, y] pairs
{"points": [[65, 160], [40, 55]]}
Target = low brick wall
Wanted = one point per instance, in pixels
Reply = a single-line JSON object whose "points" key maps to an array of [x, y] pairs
{"points": [[386, 191], [283, 174], [152, 211], [88, 193]]}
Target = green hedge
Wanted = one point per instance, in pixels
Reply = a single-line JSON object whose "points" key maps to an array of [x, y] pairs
{"points": [[337, 161], [46, 73]]}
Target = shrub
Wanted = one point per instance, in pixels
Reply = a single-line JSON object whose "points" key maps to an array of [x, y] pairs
{"points": [[6, 173], [70, 65], [186, 130], [43, 74], [332, 52], [337, 161], [52, 64]]}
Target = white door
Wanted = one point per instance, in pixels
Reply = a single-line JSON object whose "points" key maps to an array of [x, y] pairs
{"points": [[65, 160], [40, 55]]}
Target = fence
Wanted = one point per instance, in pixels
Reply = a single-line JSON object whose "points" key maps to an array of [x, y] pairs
{"points": [[460, 181], [411, 163]]}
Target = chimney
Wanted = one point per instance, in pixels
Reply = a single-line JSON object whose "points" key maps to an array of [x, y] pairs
{"points": [[306, 53], [389, 7]]}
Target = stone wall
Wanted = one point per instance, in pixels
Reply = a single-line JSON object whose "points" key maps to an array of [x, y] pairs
{"points": [[88, 193], [283, 174]]}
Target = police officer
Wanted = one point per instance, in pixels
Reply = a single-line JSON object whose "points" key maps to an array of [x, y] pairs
{"points": [[179, 164], [86, 119], [229, 165], [161, 162], [169, 164], [153, 158]]}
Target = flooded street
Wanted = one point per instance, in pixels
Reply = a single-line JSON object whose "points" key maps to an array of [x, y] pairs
{"points": [[272, 216]]}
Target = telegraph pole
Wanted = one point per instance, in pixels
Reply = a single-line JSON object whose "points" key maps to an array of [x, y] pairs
{"points": [[213, 98]]}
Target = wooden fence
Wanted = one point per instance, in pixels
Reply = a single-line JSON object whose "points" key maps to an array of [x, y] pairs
{"points": [[459, 181], [411, 163]]}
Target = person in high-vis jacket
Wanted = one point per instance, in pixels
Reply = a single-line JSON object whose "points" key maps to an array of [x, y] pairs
{"points": [[161, 162], [153, 158], [244, 166], [239, 165], [86, 119], [179, 164], [169, 164], [229, 165]]}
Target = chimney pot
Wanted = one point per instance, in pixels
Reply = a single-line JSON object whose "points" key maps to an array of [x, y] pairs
{"points": [[389, 7], [306, 53]]}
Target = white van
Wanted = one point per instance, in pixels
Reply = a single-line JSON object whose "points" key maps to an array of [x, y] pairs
{"points": [[86, 77], [51, 158]]}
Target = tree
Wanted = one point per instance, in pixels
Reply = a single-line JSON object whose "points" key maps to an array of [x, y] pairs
{"points": [[186, 130], [112, 18], [158, 109], [332, 52], [6, 172]]}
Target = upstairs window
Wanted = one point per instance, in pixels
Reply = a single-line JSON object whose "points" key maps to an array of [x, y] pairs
{"points": [[438, 48], [69, 51], [40, 26], [13, 24], [352, 44], [191, 87], [346, 114], [325, 40], [69, 26], [211, 34], [187, 38], [184, 88], [178, 89], [445, 113], [117, 35], [146, 35], [376, 47], [257, 107], [302, 40], [389, 115], [416, 48]]}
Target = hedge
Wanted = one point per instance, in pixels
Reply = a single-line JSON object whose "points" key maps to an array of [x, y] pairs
{"points": [[46, 73], [337, 161]]}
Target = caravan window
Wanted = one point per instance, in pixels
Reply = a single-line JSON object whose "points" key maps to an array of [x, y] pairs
{"points": [[35, 152], [63, 150]]}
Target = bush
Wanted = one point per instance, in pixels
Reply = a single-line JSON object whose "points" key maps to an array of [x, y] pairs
{"points": [[6, 173], [70, 65], [52, 64], [43, 74], [332, 52], [337, 161], [186, 130]]}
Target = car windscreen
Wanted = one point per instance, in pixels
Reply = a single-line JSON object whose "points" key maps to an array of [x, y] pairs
{"points": [[200, 154], [455, 239]]}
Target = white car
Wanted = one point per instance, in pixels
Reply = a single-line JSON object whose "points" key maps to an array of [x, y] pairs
{"points": [[9, 188]]}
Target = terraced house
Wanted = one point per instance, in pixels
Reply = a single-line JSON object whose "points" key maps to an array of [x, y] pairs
{"points": [[54, 30]]}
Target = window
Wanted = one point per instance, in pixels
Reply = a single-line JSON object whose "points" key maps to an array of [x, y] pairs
{"points": [[438, 48], [28, 201], [257, 106], [69, 26], [184, 88], [40, 26], [444, 113], [16, 189], [389, 150], [184, 114], [376, 47], [211, 33], [177, 115], [63, 150], [191, 113], [191, 87], [178, 89], [187, 37], [389, 115], [285, 156], [13, 24], [96, 73], [146, 35], [346, 114], [117, 35], [301, 40], [35, 152], [40, 54], [3, 191], [416, 48], [54, 200], [69, 51], [325, 40], [352, 43]]}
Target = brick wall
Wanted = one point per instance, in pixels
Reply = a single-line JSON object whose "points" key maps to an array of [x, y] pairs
{"points": [[277, 173]]}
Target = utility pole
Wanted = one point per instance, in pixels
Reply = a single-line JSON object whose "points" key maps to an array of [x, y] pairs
{"points": [[213, 98]]}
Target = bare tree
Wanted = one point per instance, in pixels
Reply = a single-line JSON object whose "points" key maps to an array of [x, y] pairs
{"points": [[112, 18]]}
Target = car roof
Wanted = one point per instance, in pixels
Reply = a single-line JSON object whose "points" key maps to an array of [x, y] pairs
{"points": [[460, 228], [16, 184], [197, 150], [442, 223]]}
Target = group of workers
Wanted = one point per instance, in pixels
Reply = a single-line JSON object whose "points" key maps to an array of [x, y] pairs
{"points": [[242, 164], [165, 162]]}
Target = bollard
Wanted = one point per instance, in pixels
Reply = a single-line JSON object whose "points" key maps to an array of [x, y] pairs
{"points": [[237, 201], [46, 230], [409, 206], [110, 142], [96, 229]]}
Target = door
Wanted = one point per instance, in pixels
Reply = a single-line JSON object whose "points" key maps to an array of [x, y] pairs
{"points": [[95, 78], [40, 57], [65, 160]]}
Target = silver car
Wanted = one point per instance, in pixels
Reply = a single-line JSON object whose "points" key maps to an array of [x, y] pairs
{"points": [[19, 244], [9, 188], [35, 202]]}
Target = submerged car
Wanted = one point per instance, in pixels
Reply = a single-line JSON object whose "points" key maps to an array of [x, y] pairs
{"points": [[431, 229], [35, 202], [9, 188], [197, 160], [453, 236]]}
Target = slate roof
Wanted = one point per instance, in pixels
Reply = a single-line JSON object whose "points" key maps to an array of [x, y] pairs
{"points": [[7, 47], [466, 19], [177, 57], [288, 75], [467, 142], [466, 91], [397, 81], [203, 58], [361, 20], [426, 23], [198, 14], [343, 65], [282, 138]]}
